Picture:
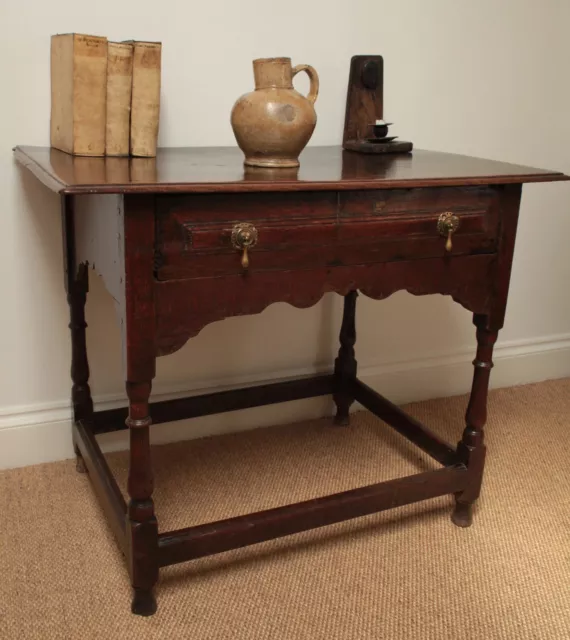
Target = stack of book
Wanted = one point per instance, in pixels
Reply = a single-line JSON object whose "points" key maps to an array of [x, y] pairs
{"points": [[105, 96]]}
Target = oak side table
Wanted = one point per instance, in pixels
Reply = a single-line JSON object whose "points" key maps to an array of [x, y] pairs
{"points": [[197, 238]]}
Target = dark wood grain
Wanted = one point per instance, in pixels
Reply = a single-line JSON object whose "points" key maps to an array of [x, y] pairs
{"points": [[77, 287], [382, 203], [219, 402], [358, 244], [345, 365], [220, 169], [76, 281], [344, 223], [404, 424], [364, 97], [364, 106], [80, 391], [365, 146], [142, 527], [213, 207], [330, 230], [471, 449], [510, 207], [233, 533], [185, 307]]}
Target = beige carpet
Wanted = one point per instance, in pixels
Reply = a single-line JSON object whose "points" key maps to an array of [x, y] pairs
{"points": [[407, 573]]}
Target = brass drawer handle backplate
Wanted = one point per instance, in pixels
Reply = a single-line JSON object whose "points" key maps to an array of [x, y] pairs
{"points": [[447, 225], [244, 237]]}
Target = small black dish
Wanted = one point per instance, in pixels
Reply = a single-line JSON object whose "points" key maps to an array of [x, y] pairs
{"points": [[382, 140], [380, 130]]}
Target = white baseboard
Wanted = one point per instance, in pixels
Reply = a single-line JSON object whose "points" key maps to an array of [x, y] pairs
{"points": [[42, 433]]}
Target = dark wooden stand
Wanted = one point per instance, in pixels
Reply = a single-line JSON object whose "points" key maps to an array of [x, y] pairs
{"points": [[365, 105], [169, 253]]}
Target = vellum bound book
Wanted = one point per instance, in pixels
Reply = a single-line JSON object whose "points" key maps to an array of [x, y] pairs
{"points": [[119, 85], [145, 99], [78, 93]]}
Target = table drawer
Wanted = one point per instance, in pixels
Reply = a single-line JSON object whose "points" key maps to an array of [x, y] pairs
{"points": [[388, 202], [302, 231]]}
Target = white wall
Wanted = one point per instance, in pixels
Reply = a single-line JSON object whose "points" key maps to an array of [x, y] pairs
{"points": [[483, 78]]}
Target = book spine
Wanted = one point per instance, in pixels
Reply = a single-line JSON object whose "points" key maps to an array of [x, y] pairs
{"points": [[61, 72], [145, 99], [89, 94], [119, 84]]}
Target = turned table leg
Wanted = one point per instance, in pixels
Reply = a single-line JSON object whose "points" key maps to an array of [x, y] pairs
{"points": [[471, 448], [80, 391], [142, 528], [139, 358], [345, 364], [76, 280]]}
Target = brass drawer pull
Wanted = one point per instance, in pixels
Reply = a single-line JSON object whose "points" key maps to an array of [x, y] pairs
{"points": [[244, 237], [447, 225]]}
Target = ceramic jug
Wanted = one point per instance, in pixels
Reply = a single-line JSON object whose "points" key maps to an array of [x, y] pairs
{"points": [[273, 124]]}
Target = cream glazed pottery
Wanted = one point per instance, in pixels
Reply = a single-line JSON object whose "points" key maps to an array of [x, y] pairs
{"points": [[273, 124]]}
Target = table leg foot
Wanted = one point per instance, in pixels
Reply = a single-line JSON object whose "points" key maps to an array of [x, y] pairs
{"points": [[462, 515], [144, 602], [80, 463], [342, 418]]}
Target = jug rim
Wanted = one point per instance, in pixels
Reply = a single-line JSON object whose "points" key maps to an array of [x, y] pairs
{"points": [[281, 59]]}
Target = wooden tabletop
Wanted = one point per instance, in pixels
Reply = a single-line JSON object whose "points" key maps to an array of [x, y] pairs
{"points": [[221, 169]]}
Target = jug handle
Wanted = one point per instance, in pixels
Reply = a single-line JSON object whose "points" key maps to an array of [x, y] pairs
{"points": [[313, 78]]}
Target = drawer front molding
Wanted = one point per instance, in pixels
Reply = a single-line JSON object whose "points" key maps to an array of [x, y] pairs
{"points": [[309, 231]]}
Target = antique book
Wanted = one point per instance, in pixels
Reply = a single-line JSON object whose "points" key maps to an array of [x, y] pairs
{"points": [[119, 84], [78, 93], [145, 99]]}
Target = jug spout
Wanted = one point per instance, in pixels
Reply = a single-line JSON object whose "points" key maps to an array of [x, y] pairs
{"points": [[274, 73]]}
